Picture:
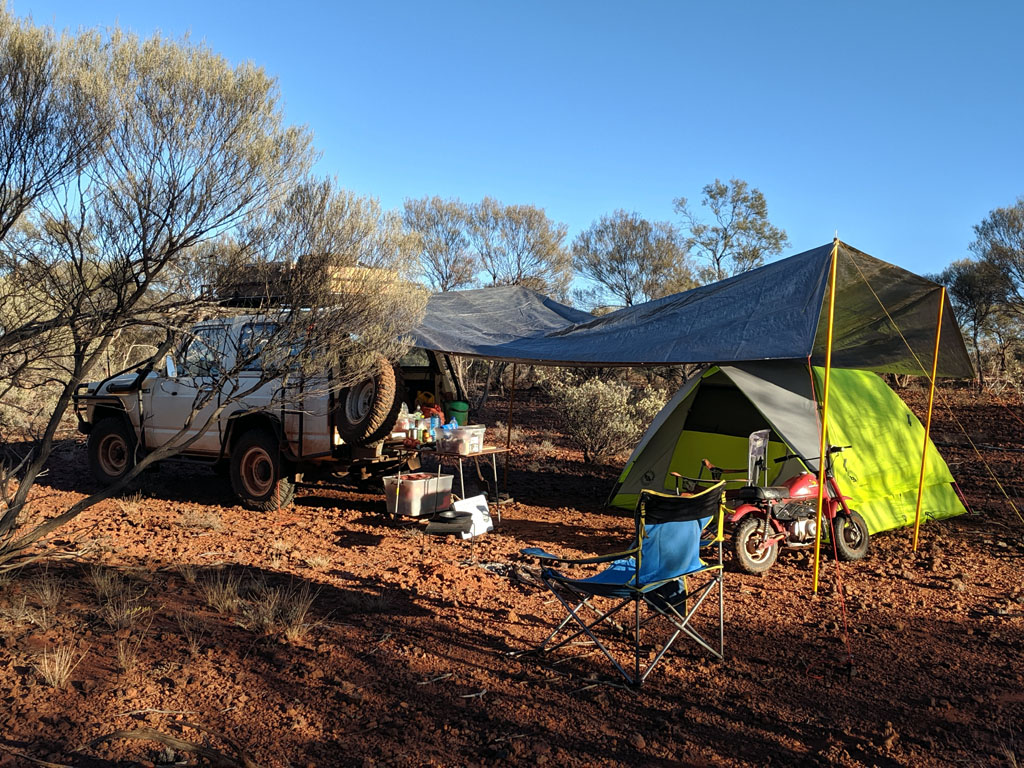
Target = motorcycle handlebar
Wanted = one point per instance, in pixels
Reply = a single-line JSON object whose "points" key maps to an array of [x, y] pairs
{"points": [[832, 449]]}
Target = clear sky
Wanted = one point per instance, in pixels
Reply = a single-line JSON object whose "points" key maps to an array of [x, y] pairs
{"points": [[897, 123]]}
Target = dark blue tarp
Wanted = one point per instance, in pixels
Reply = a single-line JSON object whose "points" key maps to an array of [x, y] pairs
{"points": [[884, 321]]}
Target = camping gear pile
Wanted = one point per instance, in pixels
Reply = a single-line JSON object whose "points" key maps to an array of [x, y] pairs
{"points": [[798, 365]]}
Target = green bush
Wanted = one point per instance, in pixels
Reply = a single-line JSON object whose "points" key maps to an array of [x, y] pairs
{"points": [[604, 418]]}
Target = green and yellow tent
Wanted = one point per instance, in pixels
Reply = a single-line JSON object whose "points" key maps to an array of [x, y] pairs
{"points": [[714, 413]]}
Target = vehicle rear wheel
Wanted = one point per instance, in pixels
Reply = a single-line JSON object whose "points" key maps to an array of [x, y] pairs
{"points": [[111, 450], [257, 472], [367, 411], [747, 540], [851, 536]]}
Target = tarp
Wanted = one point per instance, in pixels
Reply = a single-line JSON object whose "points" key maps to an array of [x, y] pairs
{"points": [[491, 322], [713, 415], [884, 321]]}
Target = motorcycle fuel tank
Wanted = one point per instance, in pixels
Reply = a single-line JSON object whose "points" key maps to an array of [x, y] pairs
{"points": [[803, 485]]}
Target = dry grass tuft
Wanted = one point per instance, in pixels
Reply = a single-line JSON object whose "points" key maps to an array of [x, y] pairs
{"points": [[295, 612], [130, 505], [280, 609], [262, 609], [124, 608], [220, 591], [319, 562], [105, 582], [192, 631], [188, 572], [47, 591], [55, 667], [127, 649], [377, 602], [18, 611]]}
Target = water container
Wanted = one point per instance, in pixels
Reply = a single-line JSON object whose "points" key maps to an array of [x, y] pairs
{"points": [[458, 410]]}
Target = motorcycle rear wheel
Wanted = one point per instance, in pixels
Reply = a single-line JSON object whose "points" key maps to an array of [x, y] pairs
{"points": [[747, 546]]}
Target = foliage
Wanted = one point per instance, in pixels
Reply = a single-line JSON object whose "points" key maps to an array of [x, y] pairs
{"points": [[445, 259], [987, 296], [739, 238], [520, 245], [999, 240], [976, 290], [53, 117], [632, 259], [604, 418], [198, 177]]}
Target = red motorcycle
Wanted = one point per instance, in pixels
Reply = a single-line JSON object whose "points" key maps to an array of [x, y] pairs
{"points": [[768, 518]]}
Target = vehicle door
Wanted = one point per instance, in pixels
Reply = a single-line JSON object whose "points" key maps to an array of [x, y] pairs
{"points": [[272, 382], [193, 393]]}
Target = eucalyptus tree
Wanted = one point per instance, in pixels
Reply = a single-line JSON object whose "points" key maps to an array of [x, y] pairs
{"points": [[739, 237], [632, 259], [520, 245], [445, 259], [999, 241]]}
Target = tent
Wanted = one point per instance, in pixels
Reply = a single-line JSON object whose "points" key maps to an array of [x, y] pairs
{"points": [[713, 414]]}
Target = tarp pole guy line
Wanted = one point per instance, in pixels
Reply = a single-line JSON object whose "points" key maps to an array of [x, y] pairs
{"points": [[822, 462], [942, 397], [928, 422], [977, 452]]}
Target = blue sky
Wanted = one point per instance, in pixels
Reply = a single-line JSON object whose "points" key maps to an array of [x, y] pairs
{"points": [[899, 124]]}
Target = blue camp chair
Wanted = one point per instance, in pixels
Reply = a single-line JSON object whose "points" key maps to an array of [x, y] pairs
{"points": [[662, 575]]}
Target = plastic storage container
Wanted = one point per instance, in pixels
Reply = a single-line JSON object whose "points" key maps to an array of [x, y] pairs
{"points": [[463, 440], [417, 495]]}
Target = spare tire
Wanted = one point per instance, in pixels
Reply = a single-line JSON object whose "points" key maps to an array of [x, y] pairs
{"points": [[366, 412]]}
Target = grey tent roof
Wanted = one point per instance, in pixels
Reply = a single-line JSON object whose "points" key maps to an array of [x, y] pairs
{"points": [[884, 321]]}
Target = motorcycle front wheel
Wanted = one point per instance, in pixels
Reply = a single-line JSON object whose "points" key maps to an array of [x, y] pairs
{"points": [[747, 546], [851, 536]]}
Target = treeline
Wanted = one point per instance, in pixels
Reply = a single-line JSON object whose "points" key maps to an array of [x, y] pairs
{"points": [[623, 257], [986, 291]]}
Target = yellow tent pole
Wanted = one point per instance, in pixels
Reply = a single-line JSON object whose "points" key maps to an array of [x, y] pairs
{"points": [[928, 421], [824, 408]]}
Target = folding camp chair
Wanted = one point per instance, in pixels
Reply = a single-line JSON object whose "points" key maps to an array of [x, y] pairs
{"points": [[654, 577]]}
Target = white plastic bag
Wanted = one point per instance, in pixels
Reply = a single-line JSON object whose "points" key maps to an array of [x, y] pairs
{"points": [[477, 507]]}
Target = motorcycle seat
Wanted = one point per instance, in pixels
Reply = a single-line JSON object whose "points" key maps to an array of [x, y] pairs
{"points": [[756, 493]]}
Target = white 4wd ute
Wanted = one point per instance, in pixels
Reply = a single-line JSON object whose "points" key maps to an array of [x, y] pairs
{"points": [[266, 437]]}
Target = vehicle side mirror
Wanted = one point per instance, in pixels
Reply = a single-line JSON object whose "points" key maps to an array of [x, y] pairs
{"points": [[172, 369]]}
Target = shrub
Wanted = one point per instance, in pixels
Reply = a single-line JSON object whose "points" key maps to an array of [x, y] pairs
{"points": [[604, 418]]}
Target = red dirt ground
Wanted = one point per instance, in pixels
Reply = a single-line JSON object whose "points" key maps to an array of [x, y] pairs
{"points": [[406, 660]]}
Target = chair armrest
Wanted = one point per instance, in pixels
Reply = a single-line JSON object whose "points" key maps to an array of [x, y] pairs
{"points": [[540, 553]]}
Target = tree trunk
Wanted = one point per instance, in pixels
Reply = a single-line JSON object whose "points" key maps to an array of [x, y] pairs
{"points": [[977, 360]]}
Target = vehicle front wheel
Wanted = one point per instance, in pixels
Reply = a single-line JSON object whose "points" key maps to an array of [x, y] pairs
{"points": [[111, 450], [851, 536], [257, 473], [747, 540]]}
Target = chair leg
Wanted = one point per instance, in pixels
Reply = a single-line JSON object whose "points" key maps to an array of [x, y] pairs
{"points": [[573, 614], [636, 646], [721, 604]]}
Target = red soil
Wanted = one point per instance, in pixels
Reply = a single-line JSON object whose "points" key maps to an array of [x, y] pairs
{"points": [[406, 659]]}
